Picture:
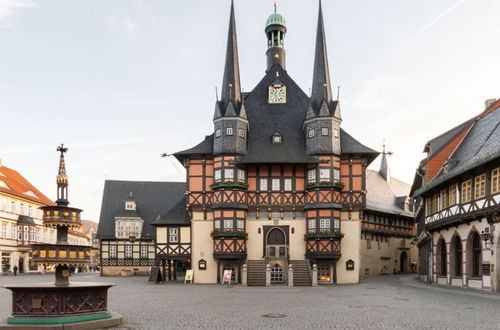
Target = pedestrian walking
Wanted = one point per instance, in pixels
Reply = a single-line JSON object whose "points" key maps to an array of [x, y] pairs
{"points": [[15, 270]]}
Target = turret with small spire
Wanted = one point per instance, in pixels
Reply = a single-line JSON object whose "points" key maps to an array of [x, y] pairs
{"points": [[230, 119], [323, 119], [275, 32], [62, 179], [384, 170]]}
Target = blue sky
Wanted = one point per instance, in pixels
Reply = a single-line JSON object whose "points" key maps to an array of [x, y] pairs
{"points": [[121, 81]]}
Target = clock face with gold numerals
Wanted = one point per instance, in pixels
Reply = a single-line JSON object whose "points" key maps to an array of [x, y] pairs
{"points": [[277, 94]]}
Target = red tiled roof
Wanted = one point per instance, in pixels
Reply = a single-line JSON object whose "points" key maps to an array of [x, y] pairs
{"points": [[11, 182]]}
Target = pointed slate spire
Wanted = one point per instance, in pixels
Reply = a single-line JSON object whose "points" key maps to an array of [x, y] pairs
{"points": [[321, 87], [231, 87], [384, 170]]}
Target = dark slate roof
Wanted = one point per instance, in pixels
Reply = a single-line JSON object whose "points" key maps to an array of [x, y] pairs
{"points": [[435, 145], [152, 198], [204, 147], [349, 145], [266, 119], [384, 196], [177, 215], [24, 219], [480, 146], [321, 71]]}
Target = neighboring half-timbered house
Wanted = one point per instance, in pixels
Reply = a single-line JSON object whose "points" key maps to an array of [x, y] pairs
{"points": [[126, 236], [458, 185]]}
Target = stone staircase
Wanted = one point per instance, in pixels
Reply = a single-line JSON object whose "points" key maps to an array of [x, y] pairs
{"points": [[301, 273], [256, 273]]}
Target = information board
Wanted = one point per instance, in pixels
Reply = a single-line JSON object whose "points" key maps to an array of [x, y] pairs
{"points": [[189, 276], [227, 276], [155, 275]]}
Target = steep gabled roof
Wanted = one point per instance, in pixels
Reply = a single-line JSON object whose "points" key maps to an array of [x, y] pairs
{"points": [[479, 146], [383, 196], [177, 215], [152, 199], [349, 145], [11, 182]]}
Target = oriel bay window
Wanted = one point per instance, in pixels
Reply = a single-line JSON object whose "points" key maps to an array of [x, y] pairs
{"points": [[311, 225], [326, 175], [229, 175], [311, 176]]}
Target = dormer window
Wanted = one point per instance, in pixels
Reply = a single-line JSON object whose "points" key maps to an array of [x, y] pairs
{"points": [[324, 131], [130, 205], [229, 131], [277, 138], [311, 133]]}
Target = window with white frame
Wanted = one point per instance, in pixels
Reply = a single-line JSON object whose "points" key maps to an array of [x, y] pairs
{"points": [[336, 175], [30, 211], [311, 176], [287, 184], [324, 131], [241, 132], [336, 224], [228, 174], [240, 224], [263, 184], [229, 131], [144, 252], [4, 230], [13, 207], [277, 138], [173, 235], [26, 236], [112, 251], [275, 184], [13, 232], [228, 224], [37, 237], [217, 132], [324, 174], [311, 225], [217, 175], [23, 209], [128, 251], [217, 224], [311, 133], [241, 175], [324, 225]]}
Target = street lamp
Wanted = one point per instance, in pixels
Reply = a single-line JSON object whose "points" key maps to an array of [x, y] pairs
{"points": [[487, 237]]}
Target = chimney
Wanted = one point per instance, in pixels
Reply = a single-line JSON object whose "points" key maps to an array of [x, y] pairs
{"points": [[489, 102]]}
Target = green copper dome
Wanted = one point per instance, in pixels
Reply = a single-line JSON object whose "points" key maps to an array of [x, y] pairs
{"points": [[276, 19]]}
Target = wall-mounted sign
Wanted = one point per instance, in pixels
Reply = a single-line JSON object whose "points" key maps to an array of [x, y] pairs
{"points": [[202, 264], [486, 269], [349, 265]]}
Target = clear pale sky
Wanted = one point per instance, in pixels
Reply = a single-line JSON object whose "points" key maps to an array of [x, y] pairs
{"points": [[122, 81]]}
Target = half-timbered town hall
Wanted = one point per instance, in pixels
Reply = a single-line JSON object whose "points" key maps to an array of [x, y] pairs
{"points": [[278, 188]]}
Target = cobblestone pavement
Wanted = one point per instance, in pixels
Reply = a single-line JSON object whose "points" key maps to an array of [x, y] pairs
{"points": [[385, 302]]}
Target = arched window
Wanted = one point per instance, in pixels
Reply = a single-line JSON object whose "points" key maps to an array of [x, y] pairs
{"points": [[456, 247], [442, 262], [475, 252]]}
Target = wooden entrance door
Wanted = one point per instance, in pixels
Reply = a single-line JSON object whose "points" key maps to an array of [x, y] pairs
{"points": [[276, 244]]}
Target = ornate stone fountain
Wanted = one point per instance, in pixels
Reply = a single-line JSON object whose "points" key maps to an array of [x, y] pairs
{"points": [[61, 302]]}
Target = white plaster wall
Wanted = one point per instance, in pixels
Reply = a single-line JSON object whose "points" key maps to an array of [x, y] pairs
{"points": [[350, 248]]}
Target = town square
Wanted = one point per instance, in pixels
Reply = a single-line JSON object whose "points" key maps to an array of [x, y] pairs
{"points": [[170, 169]]}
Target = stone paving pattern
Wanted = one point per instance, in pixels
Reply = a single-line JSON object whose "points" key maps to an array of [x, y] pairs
{"points": [[384, 302]]}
